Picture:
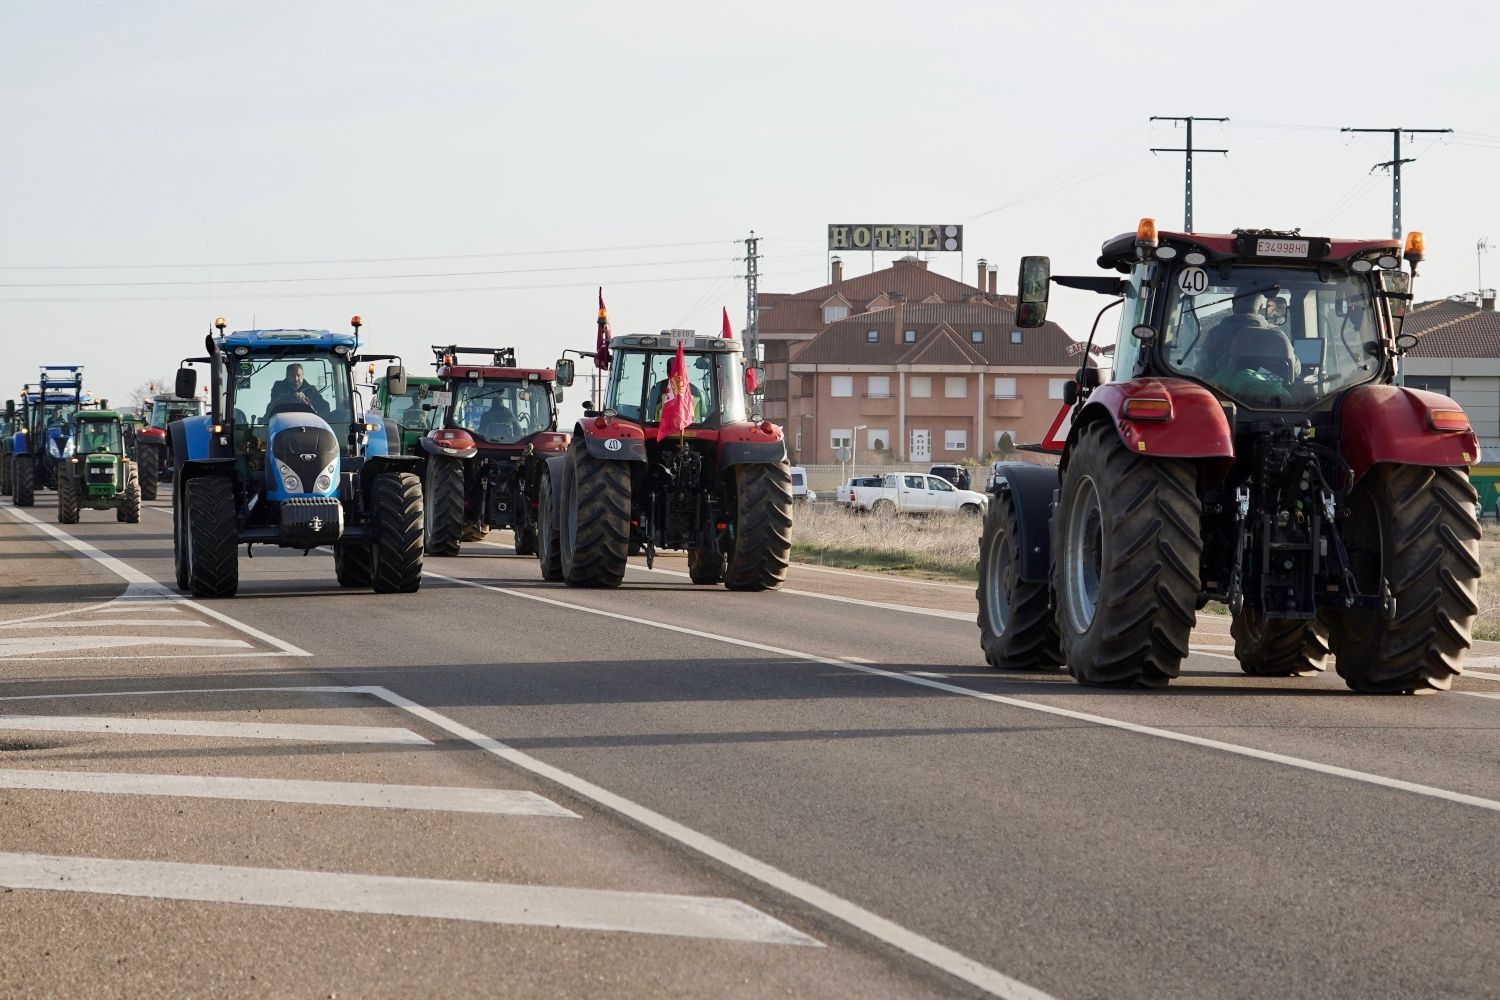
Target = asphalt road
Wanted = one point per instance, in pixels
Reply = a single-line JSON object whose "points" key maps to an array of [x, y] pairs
{"points": [[670, 790]]}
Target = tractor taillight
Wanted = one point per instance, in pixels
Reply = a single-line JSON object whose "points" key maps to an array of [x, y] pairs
{"points": [[1147, 408], [601, 421], [767, 427], [1448, 420]]}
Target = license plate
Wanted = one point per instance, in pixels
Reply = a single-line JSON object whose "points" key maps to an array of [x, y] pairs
{"points": [[1281, 248]]}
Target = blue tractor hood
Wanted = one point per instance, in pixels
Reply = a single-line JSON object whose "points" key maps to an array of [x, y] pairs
{"points": [[60, 442], [302, 457]]}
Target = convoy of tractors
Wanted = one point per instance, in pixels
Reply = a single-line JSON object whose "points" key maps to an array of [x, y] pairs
{"points": [[1254, 447]]}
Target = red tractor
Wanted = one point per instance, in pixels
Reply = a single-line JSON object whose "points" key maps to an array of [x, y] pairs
{"points": [[486, 454], [1256, 448], [721, 488]]}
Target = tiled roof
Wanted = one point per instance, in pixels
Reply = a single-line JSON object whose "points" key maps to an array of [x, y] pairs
{"points": [[942, 338], [1454, 329], [801, 312]]}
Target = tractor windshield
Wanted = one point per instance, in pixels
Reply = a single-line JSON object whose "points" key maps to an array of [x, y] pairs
{"points": [[414, 411], [57, 414], [638, 381], [502, 411], [1272, 337], [164, 411], [289, 381], [99, 436]]}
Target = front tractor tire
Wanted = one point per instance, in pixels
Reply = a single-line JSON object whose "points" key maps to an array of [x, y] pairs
{"points": [[24, 487], [396, 552], [1279, 647], [1016, 630], [705, 566], [148, 460], [1127, 548], [211, 531], [443, 502], [1412, 528], [67, 500], [762, 546], [351, 564], [594, 519], [129, 509], [548, 540]]}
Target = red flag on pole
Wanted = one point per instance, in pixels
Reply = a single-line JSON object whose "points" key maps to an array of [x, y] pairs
{"points": [[676, 400], [751, 383], [601, 346], [728, 330]]}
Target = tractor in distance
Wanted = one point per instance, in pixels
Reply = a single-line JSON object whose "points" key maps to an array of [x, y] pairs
{"points": [[410, 415], [285, 458], [98, 475], [153, 445], [496, 427], [721, 488], [42, 436], [1254, 447]]}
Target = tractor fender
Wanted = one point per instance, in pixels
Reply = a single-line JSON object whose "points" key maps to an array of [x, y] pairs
{"points": [[432, 447], [373, 466], [1033, 488], [744, 443], [617, 441], [552, 467], [193, 439], [378, 437], [1195, 427], [1390, 423], [197, 468]]}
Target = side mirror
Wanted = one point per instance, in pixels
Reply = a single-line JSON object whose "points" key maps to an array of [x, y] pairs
{"points": [[186, 386], [1032, 288], [755, 377], [1070, 393], [557, 394], [1090, 378], [588, 407], [10, 409], [395, 380], [563, 368]]}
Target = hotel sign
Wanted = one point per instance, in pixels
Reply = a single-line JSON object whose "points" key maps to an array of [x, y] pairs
{"points": [[871, 236]]}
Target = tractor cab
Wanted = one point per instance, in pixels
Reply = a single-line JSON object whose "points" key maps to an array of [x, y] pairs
{"points": [[167, 408], [715, 375], [498, 405], [97, 433], [97, 476]]}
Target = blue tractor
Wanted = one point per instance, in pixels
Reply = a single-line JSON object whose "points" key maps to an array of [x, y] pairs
{"points": [[39, 432], [285, 457]]}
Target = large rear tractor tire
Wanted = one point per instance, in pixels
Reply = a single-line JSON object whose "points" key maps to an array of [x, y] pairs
{"points": [[443, 503], [25, 484], [67, 500], [1412, 527], [705, 566], [179, 540], [595, 519], [148, 460], [1127, 545], [548, 542], [1016, 630], [396, 552], [762, 523], [129, 510], [212, 534], [351, 564], [1278, 647]]}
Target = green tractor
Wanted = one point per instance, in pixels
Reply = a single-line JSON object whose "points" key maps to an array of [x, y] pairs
{"points": [[411, 414], [98, 476]]}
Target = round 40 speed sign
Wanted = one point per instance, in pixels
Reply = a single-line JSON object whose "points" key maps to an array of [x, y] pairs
{"points": [[1192, 281]]}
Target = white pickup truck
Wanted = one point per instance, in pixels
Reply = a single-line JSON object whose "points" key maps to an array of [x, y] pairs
{"points": [[915, 493]]}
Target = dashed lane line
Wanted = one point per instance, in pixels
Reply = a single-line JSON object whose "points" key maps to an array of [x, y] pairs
{"points": [[98, 622], [483, 902], [429, 798], [195, 727], [30, 645]]}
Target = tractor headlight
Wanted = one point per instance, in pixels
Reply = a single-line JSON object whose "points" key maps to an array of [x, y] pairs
{"points": [[290, 481], [324, 481]]}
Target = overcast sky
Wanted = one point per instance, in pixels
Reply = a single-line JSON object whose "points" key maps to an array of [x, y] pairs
{"points": [[502, 146]]}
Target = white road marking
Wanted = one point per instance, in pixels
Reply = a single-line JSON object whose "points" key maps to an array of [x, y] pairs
{"points": [[858, 659], [921, 673], [314, 689], [1208, 651], [23, 646], [1478, 694], [196, 727], [1030, 706], [925, 949], [484, 902], [431, 798], [1482, 675], [141, 585], [97, 622]]}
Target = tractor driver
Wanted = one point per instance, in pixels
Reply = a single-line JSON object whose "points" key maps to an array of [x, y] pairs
{"points": [[295, 390], [95, 437], [658, 395], [497, 423], [1250, 357]]}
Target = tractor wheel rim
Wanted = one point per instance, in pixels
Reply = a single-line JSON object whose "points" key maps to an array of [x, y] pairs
{"points": [[1084, 556], [997, 601]]}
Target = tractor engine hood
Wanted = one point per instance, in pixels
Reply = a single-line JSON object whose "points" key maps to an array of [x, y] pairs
{"points": [[59, 442], [304, 456]]}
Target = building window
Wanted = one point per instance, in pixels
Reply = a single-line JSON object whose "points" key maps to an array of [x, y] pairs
{"points": [[832, 314], [840, 438], [880, 387], [976, 336], [841, 385], [1005, 388], [955, 440], [1015, 336], [955, 387], [921, 387], [872, 336], [878, 440], [909, 337], [1055, 387], [1005, 441]]}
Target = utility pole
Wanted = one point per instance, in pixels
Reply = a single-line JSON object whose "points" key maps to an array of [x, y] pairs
{"points": [[1480, 249], [1189, 150], [752, 274], [1394, 165]]}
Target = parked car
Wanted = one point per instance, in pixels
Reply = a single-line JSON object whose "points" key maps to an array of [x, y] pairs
{"points": [[915, 493], [847, 494], [955, 474], [800, 492]]}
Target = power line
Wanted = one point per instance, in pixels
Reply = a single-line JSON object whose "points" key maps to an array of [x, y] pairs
{"points": [[1394, 165], [1189, 150]]}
